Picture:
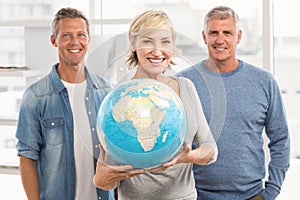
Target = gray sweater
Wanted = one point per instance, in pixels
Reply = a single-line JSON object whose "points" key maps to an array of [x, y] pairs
{"points": [[177, 182], [239, 105]]}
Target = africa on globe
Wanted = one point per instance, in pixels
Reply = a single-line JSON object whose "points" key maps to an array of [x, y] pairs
{"points": [[142, 122]]}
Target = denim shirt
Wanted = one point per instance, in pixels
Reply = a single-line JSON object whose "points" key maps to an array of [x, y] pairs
{"points": [[45, 133]]}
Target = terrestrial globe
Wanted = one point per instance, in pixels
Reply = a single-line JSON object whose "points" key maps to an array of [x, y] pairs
{"points": [[142, 122]]}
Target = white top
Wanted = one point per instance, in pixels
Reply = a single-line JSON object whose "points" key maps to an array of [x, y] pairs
{"points": [[84, 163]]}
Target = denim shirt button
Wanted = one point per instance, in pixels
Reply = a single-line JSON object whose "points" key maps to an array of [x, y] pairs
{"points": [[90, 112], [52, 124], [93, 129], [99, 198], [87, 98]]}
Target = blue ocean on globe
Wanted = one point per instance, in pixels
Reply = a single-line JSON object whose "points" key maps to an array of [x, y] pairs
{"points": [[142, 122]]}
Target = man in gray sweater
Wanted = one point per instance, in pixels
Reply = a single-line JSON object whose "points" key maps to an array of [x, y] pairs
{"points": [[239, 101]]}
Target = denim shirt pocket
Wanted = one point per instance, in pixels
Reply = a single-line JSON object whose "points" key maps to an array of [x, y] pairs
{"points": [[53, 131]]}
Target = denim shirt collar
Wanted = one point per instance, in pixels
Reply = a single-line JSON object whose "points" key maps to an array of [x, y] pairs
{"points": [[59, 86]]}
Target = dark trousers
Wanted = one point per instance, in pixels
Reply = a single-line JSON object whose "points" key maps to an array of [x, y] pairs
{"points": [[256, 197]]}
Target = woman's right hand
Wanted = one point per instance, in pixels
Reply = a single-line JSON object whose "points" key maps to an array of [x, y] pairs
{"points": [[108, 176]]}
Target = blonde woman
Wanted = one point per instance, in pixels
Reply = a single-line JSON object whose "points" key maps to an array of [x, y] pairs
{"points": [[152, 41]]}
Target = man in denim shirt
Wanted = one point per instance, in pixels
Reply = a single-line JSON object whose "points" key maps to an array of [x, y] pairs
{"points": [[57, 154]]}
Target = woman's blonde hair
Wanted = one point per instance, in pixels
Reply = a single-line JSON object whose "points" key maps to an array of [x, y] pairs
{"points": [[145, 23]]}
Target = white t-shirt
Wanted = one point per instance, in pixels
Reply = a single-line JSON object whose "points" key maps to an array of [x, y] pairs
{"points": [[83, 144]]}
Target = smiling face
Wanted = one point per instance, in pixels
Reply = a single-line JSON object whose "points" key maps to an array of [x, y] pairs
{"points": [[72, 41], [221, 38], [154, 51]]}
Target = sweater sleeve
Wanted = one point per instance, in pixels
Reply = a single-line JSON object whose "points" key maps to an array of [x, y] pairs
{"points": [[279, 146], [204, 134]]}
